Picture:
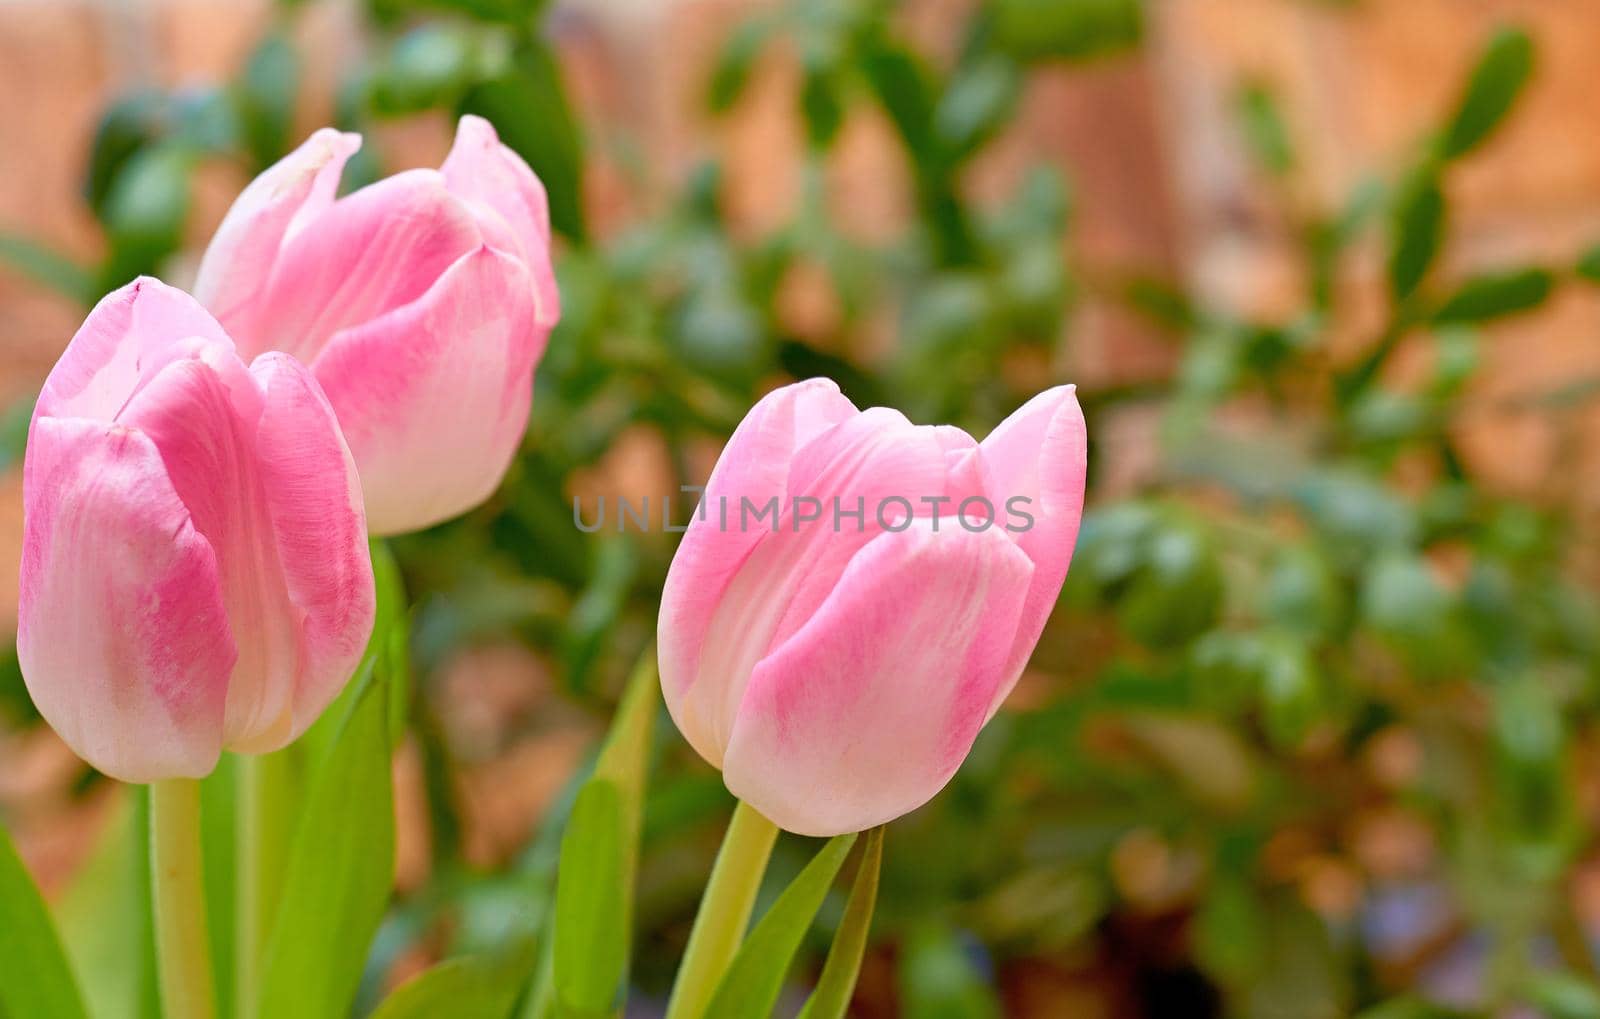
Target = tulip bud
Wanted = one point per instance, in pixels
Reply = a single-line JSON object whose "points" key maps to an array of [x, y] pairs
{"points": [[195, 572], [837, 658], [422, 304]]}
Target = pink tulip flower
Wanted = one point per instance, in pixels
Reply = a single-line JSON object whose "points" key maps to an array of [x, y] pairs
{"points": [[195, 573], [422, 304], [837, 658]]}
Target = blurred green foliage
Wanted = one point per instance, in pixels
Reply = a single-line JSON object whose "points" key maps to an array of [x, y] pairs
{"points": [[1284, 629]]}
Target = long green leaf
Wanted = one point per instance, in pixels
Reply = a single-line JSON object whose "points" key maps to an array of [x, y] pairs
{"points": [[104, 918], [341, 866], [837, 985], [472, 987], [35, 980], [591, 947], [754, 980], [599, 857]]}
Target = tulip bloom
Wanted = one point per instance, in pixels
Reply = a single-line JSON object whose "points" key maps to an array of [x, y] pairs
{"points": [[422, 304], [195, 573], [837, 660]]}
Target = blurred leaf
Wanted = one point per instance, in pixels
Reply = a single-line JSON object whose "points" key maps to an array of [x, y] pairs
{"points": [[341, 867], [129, 124], [754, 979], [1416, 229], [731, 72], [940, 978], [1230, 933], [431, 65], [265, 94], [35, 980], [1530, 762], [528, 106], [1264, 129], [1589, 264], [821, 107], [1067, 29], [1301, 594], [50, 268], [146, 210], [1501, 72], [1563, 996], [979, 99], [1496, 295], [837, 984]]}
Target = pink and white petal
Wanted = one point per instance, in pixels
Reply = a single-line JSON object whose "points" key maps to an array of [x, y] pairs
{"points": [[122, 635], [754, 464], [313, 502], [365, 255], [1041, 453], [201, 415], [433, 397], [131, 333], [876, 461], [482, 171], [240, 258], [869, 709]]}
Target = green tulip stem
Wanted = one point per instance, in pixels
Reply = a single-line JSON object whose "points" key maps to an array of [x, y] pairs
{"points": [[263, 818], [183, 948], [725, 909]]}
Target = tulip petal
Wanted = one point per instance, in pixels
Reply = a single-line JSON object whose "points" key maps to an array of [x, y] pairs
{"points": [[122, 634], [433, 397], [257, 459], [313, 500], [867, 711], [366, 254], [486, 173], [1041, 453], [239, 261], [131, 334], [755, 465]]}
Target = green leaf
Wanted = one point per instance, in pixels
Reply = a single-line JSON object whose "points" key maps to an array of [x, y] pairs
{"points": [[472, 987], [1564, 996], [1067, 29], [977, 103], [340, 869], [1589, 264], [35, 980], [591, 943], [1495, 295], [264, 96], [1492, 88], [1416, 230], [528, 106], [731, 73], [837, 984], [429, 66], [128, 126], [754, 979], [50, 268], [940, 981], [599, 857], [1264, 129], [390, 647], [104, 917]]}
